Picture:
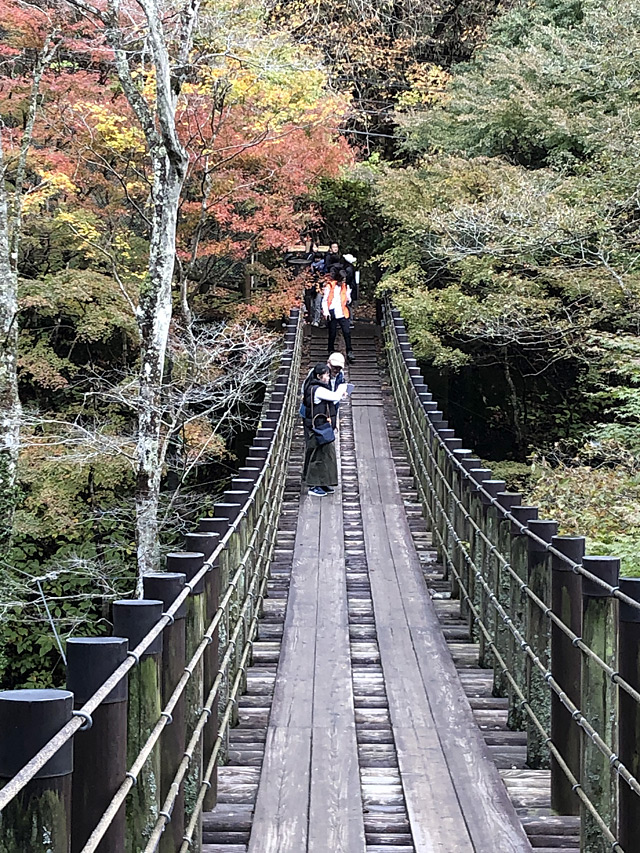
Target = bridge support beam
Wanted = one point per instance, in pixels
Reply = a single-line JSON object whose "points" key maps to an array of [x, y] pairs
{"points": [[599, 705]]}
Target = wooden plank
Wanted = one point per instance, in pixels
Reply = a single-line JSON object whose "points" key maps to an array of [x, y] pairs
{"points": [[282, 805], [309, 796], [281, 815], [335, 814], [437, 823], [404, 610]]}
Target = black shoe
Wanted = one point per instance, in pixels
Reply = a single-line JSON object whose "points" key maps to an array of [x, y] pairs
{"points": [[328, 490], [351, 357]]}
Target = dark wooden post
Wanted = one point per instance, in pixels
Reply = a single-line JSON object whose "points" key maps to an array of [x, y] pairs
{"points": [[134, 619], [516, 657], [211, 658], [478, 549], [90, 662], [539, 639], [502, 589], [566, 666], [450, 475], [458, 518], [219, 527], [599, 702], [629, 718], [167, 586], [190, 563], [467, 532], [442, 495], [38, 818], [491, 517]]}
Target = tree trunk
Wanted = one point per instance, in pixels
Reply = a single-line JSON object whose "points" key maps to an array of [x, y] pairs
{"points": [[9, 401], [154, 318]]}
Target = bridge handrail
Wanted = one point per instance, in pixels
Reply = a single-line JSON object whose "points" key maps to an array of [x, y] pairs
{"points": [[442, 502], [276, 458]]}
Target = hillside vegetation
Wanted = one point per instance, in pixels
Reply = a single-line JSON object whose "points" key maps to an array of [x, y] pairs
{"points": [[515, 250]]}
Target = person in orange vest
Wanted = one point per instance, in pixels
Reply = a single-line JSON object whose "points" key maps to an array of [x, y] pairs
{"points": [[335, 307]]}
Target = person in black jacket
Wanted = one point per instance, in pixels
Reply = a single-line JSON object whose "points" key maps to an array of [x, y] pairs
{"points": [[320, 469], [333, 258]]}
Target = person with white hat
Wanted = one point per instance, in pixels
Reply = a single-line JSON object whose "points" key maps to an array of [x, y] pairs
{"points": [[353, 281], [336, 365]]}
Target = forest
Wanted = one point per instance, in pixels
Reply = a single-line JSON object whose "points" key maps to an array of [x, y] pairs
{"points": [[480, 159]]}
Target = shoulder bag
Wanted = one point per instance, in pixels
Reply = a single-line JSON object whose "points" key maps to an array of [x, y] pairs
{"points": [[323, 431]]}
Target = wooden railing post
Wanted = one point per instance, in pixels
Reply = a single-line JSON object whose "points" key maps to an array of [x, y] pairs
{"points": [[457, 517], [38, 818], [629, 719], [211, 663], [430, 497], [133, 619], [489, 570], [566, 666], [478, 546], [599, 702], [443, 433], [516, 658], [166, 587], [502, 590], [189, 563], [90, 662], [216, 528], [538, 639], [467, 532]]}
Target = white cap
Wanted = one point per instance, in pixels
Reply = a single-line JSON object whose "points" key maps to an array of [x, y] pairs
{"points": [[350, 259], [336, 359]]}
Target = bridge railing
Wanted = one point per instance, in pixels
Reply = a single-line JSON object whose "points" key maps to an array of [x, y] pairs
{"points": [[561, 630], [126, 758]]}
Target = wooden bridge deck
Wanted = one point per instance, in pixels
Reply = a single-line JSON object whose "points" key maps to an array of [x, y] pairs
{"points": [[356, 733]]}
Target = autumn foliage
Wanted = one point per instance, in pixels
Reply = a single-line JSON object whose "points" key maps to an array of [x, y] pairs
{"points": [[256, 121]]}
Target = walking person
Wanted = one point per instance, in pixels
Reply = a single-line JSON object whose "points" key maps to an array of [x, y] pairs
{"points": [[320, 463], [335, 307], [353, 281]]}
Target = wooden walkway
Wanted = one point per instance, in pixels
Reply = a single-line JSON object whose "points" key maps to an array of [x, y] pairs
{"points": [[367, 740]]}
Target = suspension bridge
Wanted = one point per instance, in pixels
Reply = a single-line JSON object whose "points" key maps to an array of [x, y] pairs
{"points": [[417, 663]]}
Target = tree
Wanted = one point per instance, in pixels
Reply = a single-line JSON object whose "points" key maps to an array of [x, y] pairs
{"points": [[39, 39], [379, 52], [170, 48], [516, 230]]}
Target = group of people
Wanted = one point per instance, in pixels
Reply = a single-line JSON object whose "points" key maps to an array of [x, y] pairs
{"points": [[322, 391], [332, 293]]}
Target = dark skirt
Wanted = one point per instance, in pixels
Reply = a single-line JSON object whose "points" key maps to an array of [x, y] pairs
{"points": [[320, 464]]}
